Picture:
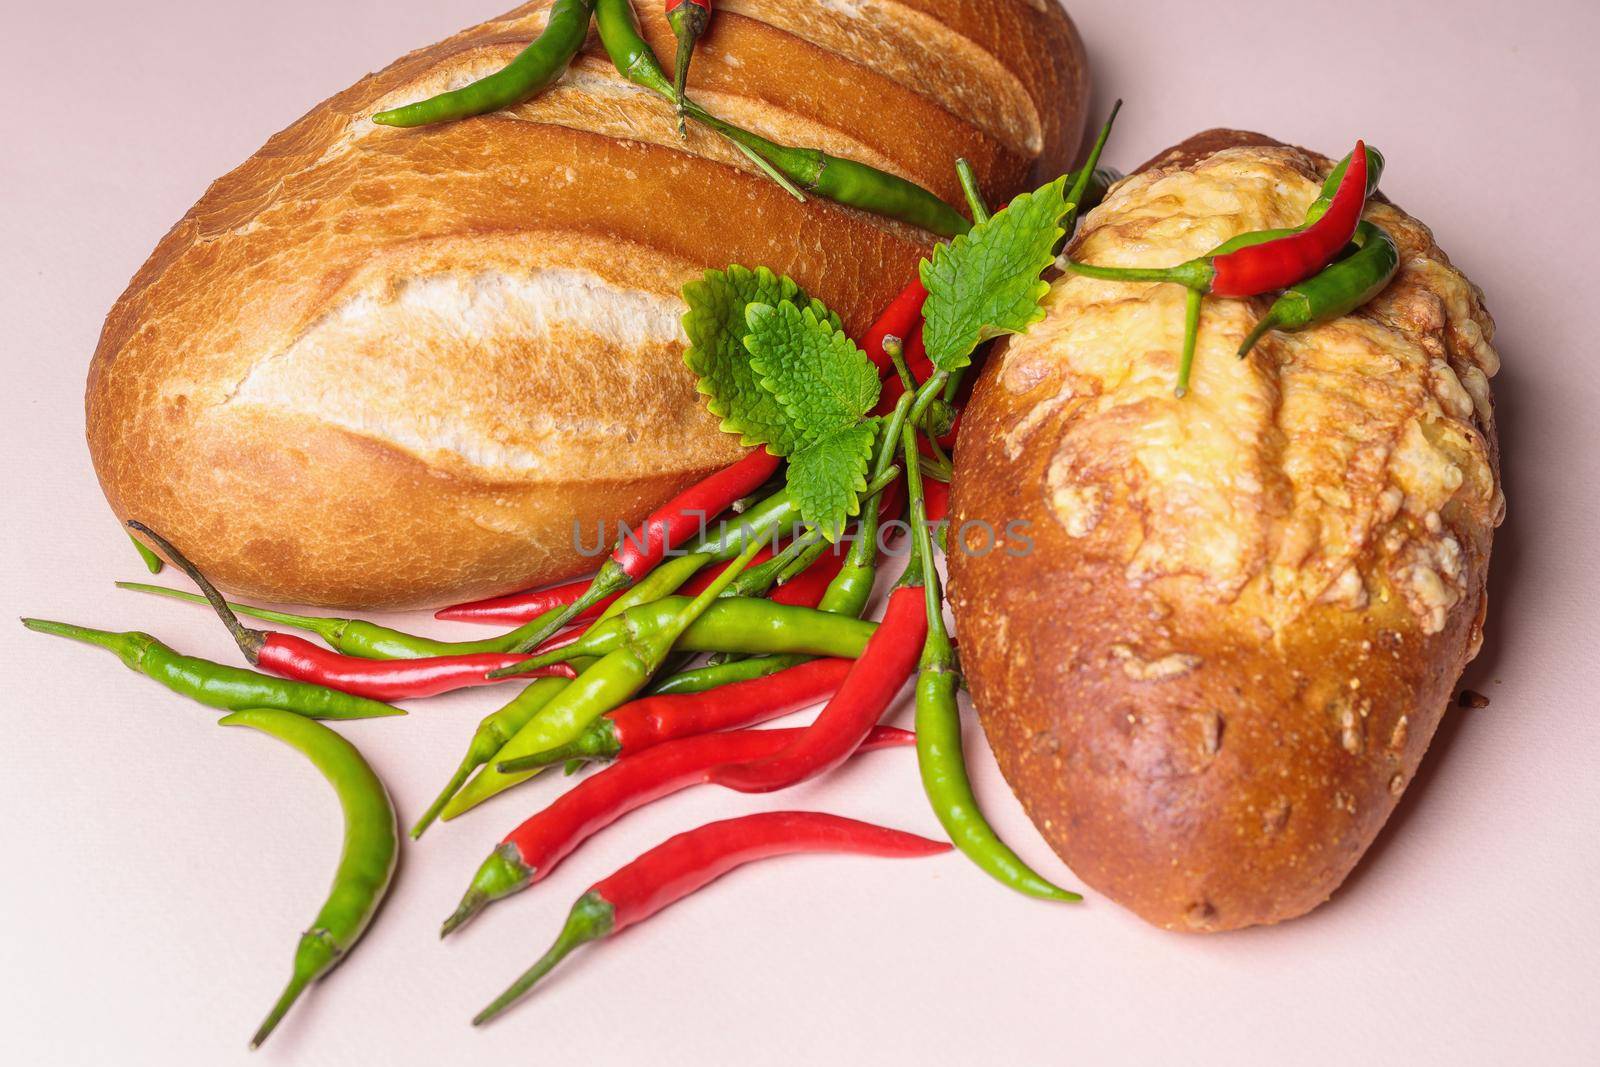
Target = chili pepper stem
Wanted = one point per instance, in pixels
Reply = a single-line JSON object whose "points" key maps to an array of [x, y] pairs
{"points": [[591, 918], [328, 629], [1192, 301], [969, 188], [291, 993], [249, 641], [582, 749], [1196, 274], [1080, 184]]}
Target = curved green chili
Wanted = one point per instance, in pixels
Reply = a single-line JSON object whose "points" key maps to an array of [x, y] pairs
{"points": [[534, 69], [1337, 290], [366, 863], [940, 759], [217, 685], [843, 181], [731, 624]]}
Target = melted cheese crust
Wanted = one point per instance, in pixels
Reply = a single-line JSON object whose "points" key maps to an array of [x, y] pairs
{"points": [[1341, 465]]}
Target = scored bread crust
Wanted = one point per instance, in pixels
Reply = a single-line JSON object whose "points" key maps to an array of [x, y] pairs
{"points": [[1212, 655], [397, 368]]}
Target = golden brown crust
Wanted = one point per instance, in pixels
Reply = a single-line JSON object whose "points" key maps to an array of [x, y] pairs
{"points": [[389, 368], [1241, 614]]}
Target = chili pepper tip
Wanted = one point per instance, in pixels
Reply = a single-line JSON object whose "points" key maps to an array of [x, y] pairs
{"points": [[473, 902], [291, 993], [591, 918]]}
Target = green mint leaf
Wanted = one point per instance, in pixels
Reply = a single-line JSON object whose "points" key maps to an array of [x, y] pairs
{"points": [[715, 325], [827, 476], [987, 281], [810, 366]]}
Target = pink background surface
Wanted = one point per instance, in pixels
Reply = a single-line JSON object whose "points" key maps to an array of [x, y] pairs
{"points": [[158, 870]]}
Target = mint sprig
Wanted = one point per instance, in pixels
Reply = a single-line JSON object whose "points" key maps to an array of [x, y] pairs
{"points": [[987, 282], [715, 325], [780, 371]]}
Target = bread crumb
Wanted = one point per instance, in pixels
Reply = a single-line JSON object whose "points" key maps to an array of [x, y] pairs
{"points": [[1472, 699]]}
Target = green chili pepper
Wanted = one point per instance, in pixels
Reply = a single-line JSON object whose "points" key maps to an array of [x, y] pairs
{"points": [[366, 863], [534, 69], [841, 180], [732, 624], [152, 562], [215, 684], [939, 756], [711, 676], [1338, 290]]}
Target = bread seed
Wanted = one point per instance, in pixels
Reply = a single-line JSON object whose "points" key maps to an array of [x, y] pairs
{"points": [[1211, 725]]}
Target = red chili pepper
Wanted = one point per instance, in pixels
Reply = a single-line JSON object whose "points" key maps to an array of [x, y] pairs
{"points": [[386, 680], [682, 864], [530, 852], [1290, 260], [901, 320], [297, 658], [676, 520], [888, 660], [518, 608], [650, 721], [1252, 269]]}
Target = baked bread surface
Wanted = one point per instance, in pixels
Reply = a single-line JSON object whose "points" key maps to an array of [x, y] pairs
{"points": [[1211, 656], [397, 368]]}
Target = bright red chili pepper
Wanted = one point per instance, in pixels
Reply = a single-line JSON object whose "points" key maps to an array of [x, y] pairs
{"points": [[653, 720], [685, 514], [386, 680], [1289, 260], [518, 608], [1243, 268], [888, 660], [530, 852], [902, 319], [682, 864]]}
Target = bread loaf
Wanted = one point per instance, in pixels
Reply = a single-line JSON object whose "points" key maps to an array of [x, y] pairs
{"points": [[1213, 653], [387, 368]]}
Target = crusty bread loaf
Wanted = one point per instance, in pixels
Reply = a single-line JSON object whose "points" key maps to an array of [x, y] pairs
{"points": [[1237, 617], [385, 368]]}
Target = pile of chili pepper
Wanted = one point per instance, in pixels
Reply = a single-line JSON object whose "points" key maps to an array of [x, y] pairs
{"points": [[725, 569], [1327, 267]]}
